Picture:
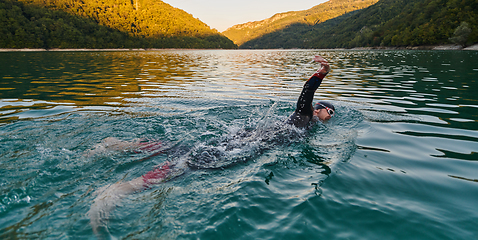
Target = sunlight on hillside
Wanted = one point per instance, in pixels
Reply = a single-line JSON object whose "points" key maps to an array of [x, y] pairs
{"points": [[103, 24], [242, 33]]}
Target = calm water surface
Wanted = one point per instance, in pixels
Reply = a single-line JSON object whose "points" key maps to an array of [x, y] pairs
{"points": [[399, 160]]}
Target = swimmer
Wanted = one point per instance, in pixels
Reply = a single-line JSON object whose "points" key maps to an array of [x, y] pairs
{"points": [[109, 196], [305, 113]]}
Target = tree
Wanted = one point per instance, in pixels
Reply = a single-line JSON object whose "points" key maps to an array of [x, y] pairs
{"points": [[460, 36]]}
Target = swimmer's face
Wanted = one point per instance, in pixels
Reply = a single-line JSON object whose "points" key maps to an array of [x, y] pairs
{"points": [[322, 114]]}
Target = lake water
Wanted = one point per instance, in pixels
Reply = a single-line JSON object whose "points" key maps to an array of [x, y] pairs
{"points": [[398, 161]]}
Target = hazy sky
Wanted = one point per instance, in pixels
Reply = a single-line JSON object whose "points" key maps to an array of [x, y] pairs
{"points": [[221, 14]]}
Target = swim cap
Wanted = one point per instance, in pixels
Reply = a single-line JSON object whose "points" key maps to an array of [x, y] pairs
{"points": [[320, 104]]}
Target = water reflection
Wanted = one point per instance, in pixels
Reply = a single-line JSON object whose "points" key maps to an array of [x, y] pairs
{"points": [[117, 79], [65, 76]]}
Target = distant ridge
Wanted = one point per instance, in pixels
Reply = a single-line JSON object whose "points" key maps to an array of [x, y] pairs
{"points": [[242, 33], [387, 23], [103, 24], [399, 23]]}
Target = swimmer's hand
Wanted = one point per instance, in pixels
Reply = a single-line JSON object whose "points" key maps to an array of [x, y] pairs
{"points": [[325, 67], [319, 59]]}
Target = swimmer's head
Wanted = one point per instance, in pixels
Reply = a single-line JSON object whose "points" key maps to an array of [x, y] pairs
{"points": [[324, 110]]}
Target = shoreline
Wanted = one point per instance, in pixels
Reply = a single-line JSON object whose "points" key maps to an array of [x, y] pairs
{"points": [[71, 49], [101, 49], [436, 47], [473, 47]]}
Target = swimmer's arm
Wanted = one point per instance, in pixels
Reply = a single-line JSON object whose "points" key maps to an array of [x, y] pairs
{"points": [[304, 103], [304, 111]]}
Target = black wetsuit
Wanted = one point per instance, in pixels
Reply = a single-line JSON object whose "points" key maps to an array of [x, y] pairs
{"points": [[246, 144], [304, 112]]}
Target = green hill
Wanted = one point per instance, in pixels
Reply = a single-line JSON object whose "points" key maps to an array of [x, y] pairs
{"points": [[388, 23], [248, 31], [103, 24]]}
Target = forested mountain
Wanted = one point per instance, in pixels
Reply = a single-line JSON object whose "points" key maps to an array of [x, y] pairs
{"points": [[388, 23], [102, 24], [244, 32]]}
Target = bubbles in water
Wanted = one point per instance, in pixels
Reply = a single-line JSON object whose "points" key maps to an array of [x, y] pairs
{"points": [[13, 198]]}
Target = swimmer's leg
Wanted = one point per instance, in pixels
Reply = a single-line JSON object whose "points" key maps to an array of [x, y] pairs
{"points": [[138, 145], [109, 197], [153, 148], [165, 172]]}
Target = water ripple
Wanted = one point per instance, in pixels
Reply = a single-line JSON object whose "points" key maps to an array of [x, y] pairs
{"points": [[402, 146]]}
